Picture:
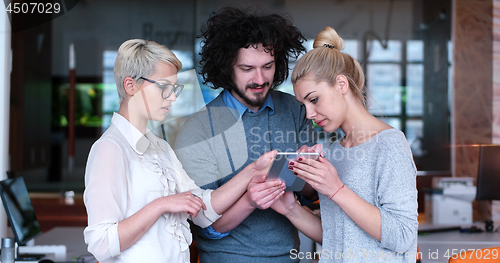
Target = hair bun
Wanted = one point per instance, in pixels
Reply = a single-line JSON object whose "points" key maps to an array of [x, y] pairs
{"points": [[328, 37]]}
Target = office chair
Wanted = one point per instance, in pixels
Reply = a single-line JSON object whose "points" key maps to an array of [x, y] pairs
{"points": [[486, 255]]}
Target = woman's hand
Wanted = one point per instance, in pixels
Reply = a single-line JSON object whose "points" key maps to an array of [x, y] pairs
{"points": [[320, 174], [183, 202], [308, 190], [318, 148]]}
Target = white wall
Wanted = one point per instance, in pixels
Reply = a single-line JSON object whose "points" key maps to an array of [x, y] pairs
{"points": [[5, 68]]}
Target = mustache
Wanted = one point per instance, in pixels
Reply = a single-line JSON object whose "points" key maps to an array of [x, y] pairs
{"points": [[255, 85]]}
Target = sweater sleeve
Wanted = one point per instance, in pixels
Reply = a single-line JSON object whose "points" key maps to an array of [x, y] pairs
{"points": [[194, 151], [397, 194]]}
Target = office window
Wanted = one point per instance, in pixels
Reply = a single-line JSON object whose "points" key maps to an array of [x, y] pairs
{"points": [[414, 51], [414, 89], [110, 100], [395, 83], [384, 86], [391, 53]]}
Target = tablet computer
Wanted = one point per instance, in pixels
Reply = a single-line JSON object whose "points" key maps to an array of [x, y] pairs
{"points": [[279, 169]]}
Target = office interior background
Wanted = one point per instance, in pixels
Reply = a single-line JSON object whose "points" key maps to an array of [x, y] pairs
{"points": [[430, 68]]}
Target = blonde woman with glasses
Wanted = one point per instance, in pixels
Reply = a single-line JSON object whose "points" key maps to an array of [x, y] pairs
{"points": [[138, 196]]}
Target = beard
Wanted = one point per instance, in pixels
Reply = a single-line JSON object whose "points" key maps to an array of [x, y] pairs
{"points": [[259, 98]]}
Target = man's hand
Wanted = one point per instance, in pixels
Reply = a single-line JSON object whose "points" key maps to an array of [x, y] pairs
{"points": [[263, 194], [261, 166], [285, 203]]}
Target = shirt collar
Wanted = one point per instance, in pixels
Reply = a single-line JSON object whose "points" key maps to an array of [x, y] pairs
{"points": [[232, 102], [138, 141]]}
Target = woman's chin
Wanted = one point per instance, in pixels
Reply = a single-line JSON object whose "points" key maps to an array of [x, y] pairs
{"points": [[329, 129], [159, 117]]}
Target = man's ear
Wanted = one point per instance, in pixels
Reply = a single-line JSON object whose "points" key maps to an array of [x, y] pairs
{"points": [[343, 83], [130, 86]]}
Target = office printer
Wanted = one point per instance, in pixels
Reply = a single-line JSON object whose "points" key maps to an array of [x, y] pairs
{"points": [[450, 200]]}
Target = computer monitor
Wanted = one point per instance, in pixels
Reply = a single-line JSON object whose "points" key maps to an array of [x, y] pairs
{"points": [[19, 210], [488, 177]]}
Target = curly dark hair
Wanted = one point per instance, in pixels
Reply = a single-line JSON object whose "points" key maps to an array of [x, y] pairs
{"points": [[231, 28]]}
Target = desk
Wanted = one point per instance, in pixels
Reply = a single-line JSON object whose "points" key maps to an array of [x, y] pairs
{"points": [[72, 237], [440, 246], [433, 246]]}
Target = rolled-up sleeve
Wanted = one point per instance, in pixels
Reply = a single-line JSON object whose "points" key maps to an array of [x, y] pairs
{"points": [[103, 241], [209, 232], [206, 217], [105, 198]]}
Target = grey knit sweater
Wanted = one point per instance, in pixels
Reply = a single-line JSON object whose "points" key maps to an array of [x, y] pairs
{"points": [[382, 172]]}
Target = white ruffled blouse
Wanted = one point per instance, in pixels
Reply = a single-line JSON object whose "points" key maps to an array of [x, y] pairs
{"points": [[125, 171]]}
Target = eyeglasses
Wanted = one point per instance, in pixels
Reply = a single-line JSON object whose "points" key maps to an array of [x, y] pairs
{"points": [[166, 87]]}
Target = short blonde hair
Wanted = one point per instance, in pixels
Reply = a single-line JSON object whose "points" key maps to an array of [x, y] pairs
{"points": [[138, 58], [325, 62]]}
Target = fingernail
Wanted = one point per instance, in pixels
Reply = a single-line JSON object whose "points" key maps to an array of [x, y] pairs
{"points": [[290, 167], [295, 173], [291, 163], [300, 159]]}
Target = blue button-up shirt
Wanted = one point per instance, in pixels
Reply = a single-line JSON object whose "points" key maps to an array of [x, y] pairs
{"points": [[232, 102]]}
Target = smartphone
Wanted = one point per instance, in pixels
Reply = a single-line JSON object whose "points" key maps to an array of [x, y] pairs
{"points": [[279, 169]]}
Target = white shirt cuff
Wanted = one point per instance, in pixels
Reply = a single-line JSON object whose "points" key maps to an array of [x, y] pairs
{"points": [[206, 217], [114, 240]]}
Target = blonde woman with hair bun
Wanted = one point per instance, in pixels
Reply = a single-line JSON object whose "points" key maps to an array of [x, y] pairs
{"points": [[366, 180], [328, 36]]}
